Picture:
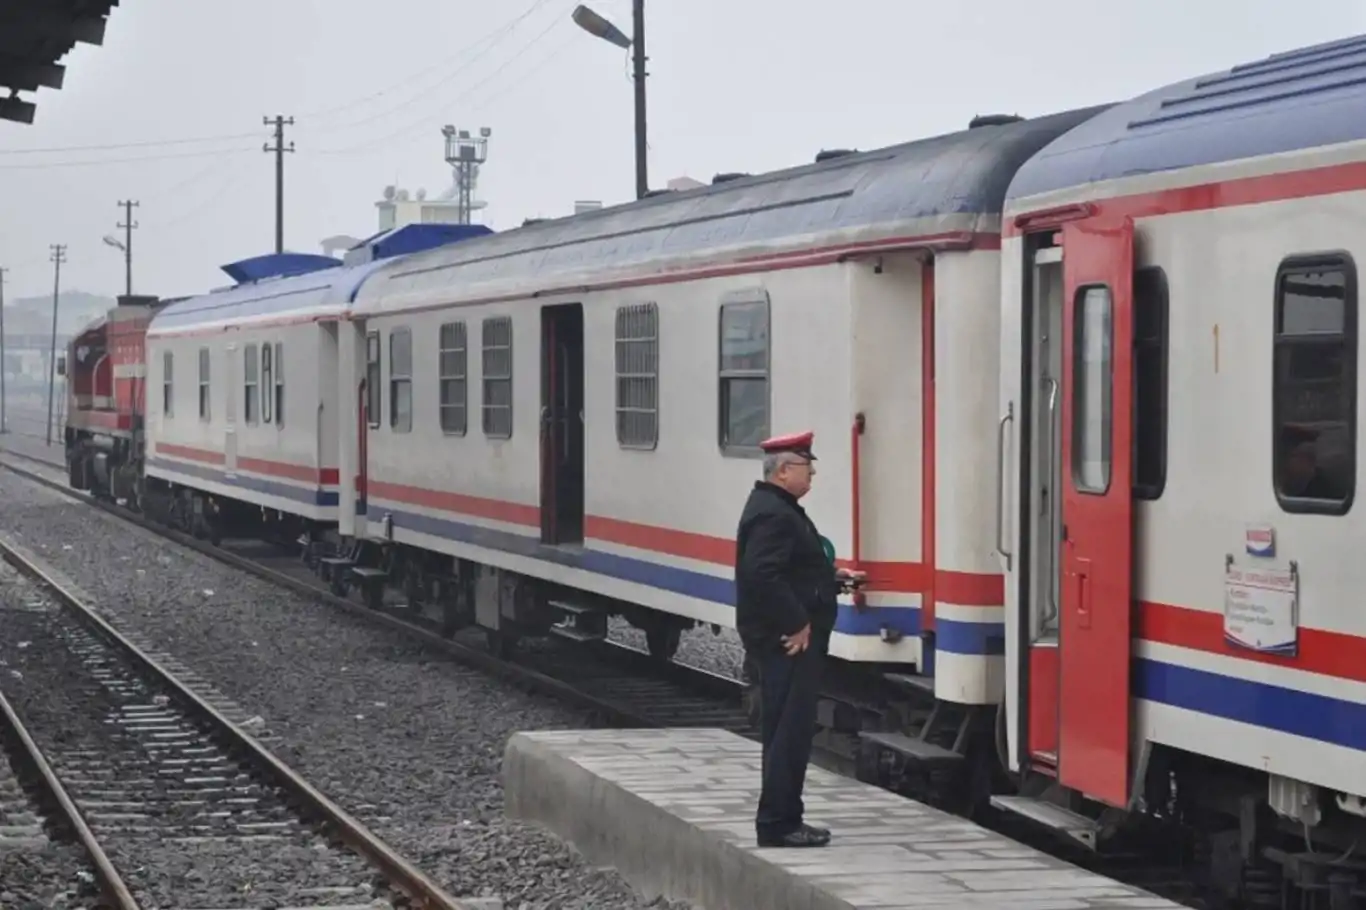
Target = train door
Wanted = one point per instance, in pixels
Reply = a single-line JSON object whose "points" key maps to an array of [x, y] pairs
{"points": [[368, 412], [562, 444], [1091, 541], [232, 382]]}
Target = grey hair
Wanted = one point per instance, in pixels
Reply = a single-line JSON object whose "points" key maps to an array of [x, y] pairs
{"points": [[775, 460]]}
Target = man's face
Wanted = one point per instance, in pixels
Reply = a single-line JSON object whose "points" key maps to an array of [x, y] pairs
{"points": [[795, 476], [1299, 466]]}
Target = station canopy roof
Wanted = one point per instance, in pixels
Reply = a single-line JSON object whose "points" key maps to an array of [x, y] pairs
{"points": [[34, 36]]}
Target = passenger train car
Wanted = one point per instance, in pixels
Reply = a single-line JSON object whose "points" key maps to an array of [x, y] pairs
{"points": [[626, 364], [1084, 392], [1178, 440]]}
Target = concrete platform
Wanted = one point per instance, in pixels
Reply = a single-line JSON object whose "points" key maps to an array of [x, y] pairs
{"points": [[673, 811]]}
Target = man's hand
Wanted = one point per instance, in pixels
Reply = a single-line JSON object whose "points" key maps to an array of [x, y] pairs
{"points": [[798, 642], [848, 578]]}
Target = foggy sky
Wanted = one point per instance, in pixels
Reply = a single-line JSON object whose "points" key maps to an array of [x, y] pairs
{"points": [[735, 85]]}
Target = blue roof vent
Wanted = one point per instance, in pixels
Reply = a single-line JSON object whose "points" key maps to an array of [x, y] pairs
{"points": [[277, 265], [412, 238]]}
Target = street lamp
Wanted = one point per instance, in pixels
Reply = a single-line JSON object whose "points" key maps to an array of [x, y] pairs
{"points": [[599, 27]]}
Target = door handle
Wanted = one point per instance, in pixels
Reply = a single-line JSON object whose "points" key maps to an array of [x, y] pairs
{"points": [[1007, 418]]}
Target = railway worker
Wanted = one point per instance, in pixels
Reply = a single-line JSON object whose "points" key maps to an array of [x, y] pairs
{"points": [[786, 588]]}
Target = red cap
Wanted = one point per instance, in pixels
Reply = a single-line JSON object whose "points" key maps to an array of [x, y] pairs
{"points": [[796, 443]]}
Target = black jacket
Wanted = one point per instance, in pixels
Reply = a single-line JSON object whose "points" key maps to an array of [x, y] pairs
{"points": [[783, 579]]}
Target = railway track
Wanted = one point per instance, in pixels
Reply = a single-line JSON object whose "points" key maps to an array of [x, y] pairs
{"points": [[620, 685], [163, 786]]}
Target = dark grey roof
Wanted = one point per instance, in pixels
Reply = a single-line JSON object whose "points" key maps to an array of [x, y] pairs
{"points": [[1299, 99], [960, 174]]}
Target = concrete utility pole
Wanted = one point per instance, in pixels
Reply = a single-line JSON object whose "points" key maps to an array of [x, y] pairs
{"points": [[279, 149], [2, 350], [58, 257], [128, 225]]}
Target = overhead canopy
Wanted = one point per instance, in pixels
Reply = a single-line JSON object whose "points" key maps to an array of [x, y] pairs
{"points": [[34, 35]]}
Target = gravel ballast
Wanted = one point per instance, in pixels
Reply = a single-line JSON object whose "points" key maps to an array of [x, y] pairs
{"points": [[408, 741]]}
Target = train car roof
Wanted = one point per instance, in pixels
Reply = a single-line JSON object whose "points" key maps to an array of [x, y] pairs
{"points": [[953, 183], [320, 294], [1299, 99]]}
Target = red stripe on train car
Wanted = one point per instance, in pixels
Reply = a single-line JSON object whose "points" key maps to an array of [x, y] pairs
{"points": [[1333, 654], [1221, 194]]}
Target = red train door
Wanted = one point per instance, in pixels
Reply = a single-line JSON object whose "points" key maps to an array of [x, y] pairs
{"points": [[1095, 631]]}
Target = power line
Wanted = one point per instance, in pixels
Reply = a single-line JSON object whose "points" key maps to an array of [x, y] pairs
{"points": [[218, 153], [425, 120], [128, 225], [279, 150], [494, 36]]}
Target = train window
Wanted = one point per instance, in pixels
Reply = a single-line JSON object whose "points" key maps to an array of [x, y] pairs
{"points": [[744, 364], [203, 383], [637, 344], [1313, 403], [167, 363], [279, 384], [1092, 402], [372, 379], [497, 377], [249, 384], [401, 381], [451, 378], [1150, 382], [267, 383]]}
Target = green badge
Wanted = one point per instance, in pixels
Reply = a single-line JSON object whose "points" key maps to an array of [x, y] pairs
{"points": [[829, 549]]}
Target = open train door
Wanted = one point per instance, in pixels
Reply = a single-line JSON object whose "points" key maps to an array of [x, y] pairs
{"points": [[1095, 627]]}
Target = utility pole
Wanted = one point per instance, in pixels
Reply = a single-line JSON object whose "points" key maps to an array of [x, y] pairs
{"points": [[599, 27], [128, 225], [638, 61], [3, 424], [58, 257], [279, 149]]}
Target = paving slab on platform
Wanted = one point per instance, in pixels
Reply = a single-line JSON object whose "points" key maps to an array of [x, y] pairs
{"points": [[673, 811]]}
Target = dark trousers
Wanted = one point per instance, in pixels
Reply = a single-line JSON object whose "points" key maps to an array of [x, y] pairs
{"points": [[788, 690]]}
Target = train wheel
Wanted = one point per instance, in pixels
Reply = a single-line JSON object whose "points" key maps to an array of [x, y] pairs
{"points": [[662, 641]]}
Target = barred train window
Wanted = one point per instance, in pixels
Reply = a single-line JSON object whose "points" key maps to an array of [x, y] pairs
{"points": [[453, 388], [637, 352], [372, 380], [1314, 389], [497, 374], [249, 367], [204, 384], [744, 371], [401, 381]]}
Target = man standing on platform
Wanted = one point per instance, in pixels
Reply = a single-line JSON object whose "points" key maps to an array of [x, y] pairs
{"points": [[786, 587]]}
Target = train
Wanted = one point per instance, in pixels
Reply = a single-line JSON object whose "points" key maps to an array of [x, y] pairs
{"points": [[1084, 389]]}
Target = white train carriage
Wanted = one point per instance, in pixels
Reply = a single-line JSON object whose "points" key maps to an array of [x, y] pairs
{"points": [[1179, 401], [579, 403], [245, 405]]}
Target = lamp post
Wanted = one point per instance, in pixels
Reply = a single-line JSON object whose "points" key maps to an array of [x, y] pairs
{"points": [[599, 27]]}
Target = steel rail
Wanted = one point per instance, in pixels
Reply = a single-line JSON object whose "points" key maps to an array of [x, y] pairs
{"points": [[400, 873], [111, 883]]}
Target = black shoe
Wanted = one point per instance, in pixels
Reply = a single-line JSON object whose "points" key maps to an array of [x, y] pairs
{"points": [[804, 836], [823, 832]]}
